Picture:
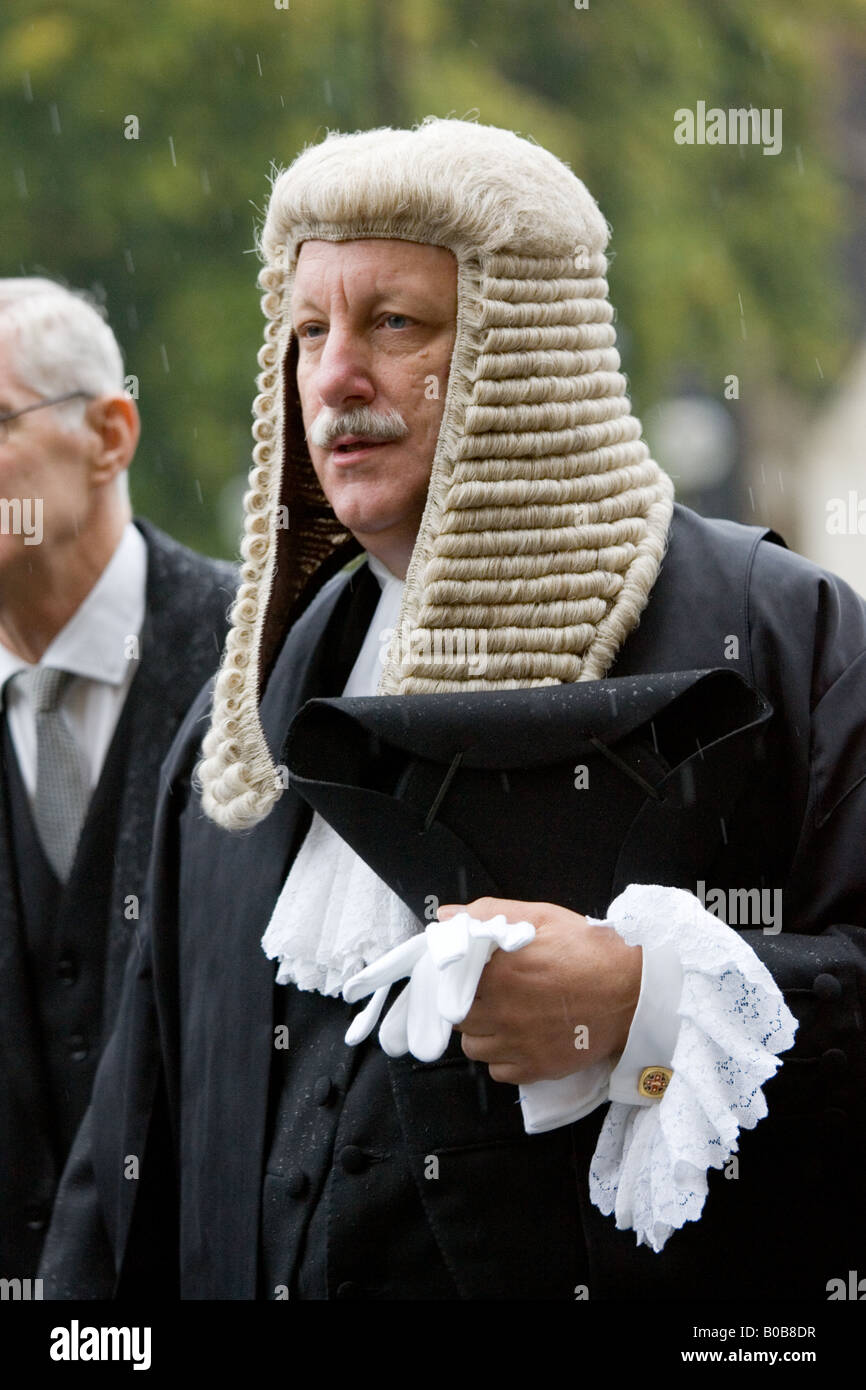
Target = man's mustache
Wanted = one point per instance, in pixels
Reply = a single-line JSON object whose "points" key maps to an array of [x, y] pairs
{"points": [[330, 425]]}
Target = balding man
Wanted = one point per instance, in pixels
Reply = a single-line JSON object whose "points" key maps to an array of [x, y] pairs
{"points": [[107, 629]]}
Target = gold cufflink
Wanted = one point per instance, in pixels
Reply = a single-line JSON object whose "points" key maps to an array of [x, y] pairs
{"points": [[654, 1081]]}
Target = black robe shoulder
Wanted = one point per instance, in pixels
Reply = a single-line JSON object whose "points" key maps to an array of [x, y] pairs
{"points": [[183, 1085]]}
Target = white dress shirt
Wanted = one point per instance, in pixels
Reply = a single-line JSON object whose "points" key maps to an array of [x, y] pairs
{"points": [[99, 645], [367, 671]]}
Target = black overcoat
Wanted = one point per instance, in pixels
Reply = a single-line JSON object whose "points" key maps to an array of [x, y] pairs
{"points": [[183, 1086], [59, 992]]}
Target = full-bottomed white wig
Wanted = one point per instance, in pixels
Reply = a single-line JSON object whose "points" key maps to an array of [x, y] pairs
{"points": [[546, 518]]}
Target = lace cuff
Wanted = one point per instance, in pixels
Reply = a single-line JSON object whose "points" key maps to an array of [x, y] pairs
{"points": [[650, 1164]]}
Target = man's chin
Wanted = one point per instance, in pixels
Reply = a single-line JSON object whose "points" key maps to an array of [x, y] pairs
{"points": [[364, 527], [364, 517]]}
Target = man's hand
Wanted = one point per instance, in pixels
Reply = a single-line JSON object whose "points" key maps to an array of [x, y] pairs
{"points": [[530, 1004]]}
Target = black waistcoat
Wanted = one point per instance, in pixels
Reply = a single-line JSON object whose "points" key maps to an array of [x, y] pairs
{"points": [[341, 1216], [349, 1210], [65, 928]]}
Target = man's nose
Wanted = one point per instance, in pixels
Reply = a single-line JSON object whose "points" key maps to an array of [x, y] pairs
{"points": [[343, 372]]}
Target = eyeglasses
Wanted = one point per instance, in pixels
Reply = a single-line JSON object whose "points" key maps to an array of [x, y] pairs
{"points": [[40, 405]]}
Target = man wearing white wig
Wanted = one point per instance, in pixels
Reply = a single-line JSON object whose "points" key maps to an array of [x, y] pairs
{"points": [[496, 724]]}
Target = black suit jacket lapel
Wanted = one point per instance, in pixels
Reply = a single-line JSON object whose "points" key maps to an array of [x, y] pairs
{"points": [[174, 659]]}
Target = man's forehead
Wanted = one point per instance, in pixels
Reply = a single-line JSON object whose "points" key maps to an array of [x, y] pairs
{"points": [[370, 258], [381, 247]]}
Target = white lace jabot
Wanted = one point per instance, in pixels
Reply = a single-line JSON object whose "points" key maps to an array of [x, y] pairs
{"points": [[334, 915]]}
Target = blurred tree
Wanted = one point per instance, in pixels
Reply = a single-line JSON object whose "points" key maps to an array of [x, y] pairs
{"points": [[724, 258]]}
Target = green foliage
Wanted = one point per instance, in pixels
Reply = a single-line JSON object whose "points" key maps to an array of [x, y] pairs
{"points": [[162, 228]]}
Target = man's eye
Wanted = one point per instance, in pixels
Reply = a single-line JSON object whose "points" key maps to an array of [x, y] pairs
{"points": [[402, 320], [310, 330]]}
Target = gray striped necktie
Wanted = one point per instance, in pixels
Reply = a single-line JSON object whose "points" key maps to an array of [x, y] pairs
{"points": [[62, 794]]}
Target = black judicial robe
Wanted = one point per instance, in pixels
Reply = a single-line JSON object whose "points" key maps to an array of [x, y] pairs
{"points": [[63, 948], [263, 1173]]}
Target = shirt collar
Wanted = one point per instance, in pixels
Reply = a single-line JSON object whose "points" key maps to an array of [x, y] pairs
{"points": [[381, 571], [93, 642]]}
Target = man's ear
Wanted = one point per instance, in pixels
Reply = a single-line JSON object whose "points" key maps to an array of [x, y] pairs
{"points": [[116, 423]]}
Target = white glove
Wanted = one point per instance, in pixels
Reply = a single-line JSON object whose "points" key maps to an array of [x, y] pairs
{"points": [[444, 964]]}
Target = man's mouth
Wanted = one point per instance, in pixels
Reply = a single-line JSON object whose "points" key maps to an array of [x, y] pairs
{"points": [[349, 445]]}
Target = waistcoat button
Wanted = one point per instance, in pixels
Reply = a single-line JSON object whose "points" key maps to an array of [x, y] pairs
{"points": [[826, 987], [297, 1182], [67, 970], [352, 1159], [36, 1218], [833, 1060], [323, 1090]]}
